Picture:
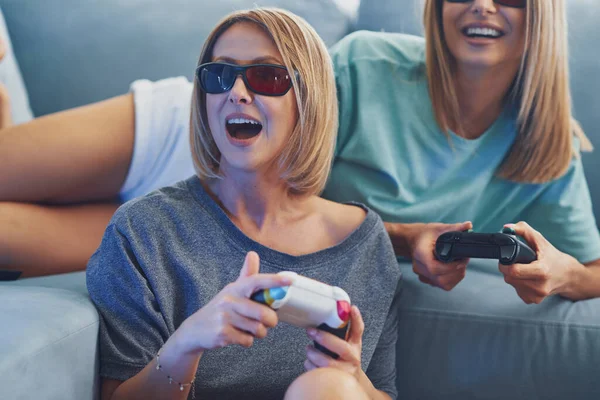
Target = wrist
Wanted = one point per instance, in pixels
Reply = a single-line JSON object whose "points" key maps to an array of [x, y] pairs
{"points": [[578, 278], [183, 344], [177, 361], [366, 384], [403, 237]]}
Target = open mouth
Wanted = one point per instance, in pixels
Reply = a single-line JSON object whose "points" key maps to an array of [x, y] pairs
{"points": [[243, 128], [480, 32]]}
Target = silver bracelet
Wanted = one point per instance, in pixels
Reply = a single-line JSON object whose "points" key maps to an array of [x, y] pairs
{"points": [[169, 377]]}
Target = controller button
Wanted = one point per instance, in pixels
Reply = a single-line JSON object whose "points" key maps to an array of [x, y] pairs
{"points": [[443, 249], [343, 310], [507, 253], [509, 231], [278, 293], [269, 296]]}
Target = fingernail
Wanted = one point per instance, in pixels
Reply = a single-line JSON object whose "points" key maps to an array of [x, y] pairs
{"points": [[312, 332]]}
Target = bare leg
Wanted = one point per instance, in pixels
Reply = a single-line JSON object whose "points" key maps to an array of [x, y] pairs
{"points": [[5, 117], [43, 240], [325, 384], [72, 156]]}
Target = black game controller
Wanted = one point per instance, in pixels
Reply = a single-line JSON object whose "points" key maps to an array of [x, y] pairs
{"points": [[506, 247]]}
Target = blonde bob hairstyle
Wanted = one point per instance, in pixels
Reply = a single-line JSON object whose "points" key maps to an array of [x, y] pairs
{"points": [[306, 158], [543, 148]]}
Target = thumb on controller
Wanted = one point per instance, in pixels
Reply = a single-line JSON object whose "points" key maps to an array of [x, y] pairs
{"points": [[251, 265], [459, 227]]}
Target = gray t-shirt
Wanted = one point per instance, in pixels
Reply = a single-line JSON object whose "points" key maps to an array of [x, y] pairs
{"points": [[165, 255]]}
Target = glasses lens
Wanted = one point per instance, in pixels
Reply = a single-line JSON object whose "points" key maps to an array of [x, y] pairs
{"points": [[512, 3], [268, 80], [216, 78]]}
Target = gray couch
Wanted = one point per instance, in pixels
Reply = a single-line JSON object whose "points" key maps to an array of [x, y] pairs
{"points": [[478, 341]]}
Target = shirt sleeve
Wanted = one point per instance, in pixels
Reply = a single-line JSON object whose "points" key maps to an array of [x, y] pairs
{"points": [[563, 213], [382, 368], [161, 154], [345, 95], [132, 327]]}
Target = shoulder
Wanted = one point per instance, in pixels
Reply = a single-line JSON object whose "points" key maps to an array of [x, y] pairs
{"points": [[172, 87], [159, 101], [155, 208], [397, 49], [344, 219]]}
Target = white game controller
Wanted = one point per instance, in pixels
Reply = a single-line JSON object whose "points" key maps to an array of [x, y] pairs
{"points": [[308, 303]]}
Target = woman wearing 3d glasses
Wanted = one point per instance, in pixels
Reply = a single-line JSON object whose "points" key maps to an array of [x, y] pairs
{"points": [[472, 124], [175, 307]]}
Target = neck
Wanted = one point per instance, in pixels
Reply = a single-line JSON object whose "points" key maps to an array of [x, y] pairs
{"points": [[481, 94], [253, 197]]}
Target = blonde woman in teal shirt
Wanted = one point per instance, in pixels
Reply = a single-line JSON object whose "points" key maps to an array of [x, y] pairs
{"points": [[471, 124]]}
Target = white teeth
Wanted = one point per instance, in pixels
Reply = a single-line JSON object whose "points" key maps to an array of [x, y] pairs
{"points": [[483, 32], [242, 121]]}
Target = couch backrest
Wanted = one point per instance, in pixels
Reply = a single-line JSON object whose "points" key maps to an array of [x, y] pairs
{"points": [[584, 43], [74, 52]]}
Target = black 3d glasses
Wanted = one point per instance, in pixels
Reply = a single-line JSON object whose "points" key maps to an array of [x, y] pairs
{"points": [[507, 3], [262, 79]]}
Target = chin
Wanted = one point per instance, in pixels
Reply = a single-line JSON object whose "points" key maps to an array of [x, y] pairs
{"points": [[238, 162], [480, 61]]}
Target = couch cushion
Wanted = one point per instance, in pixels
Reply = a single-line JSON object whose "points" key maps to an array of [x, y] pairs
{"points": [[74, 52], [481, 341], [48, 344], [74, 281], [584, 36]]}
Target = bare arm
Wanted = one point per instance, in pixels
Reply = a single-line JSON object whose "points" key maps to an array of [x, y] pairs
{"points": [[151, 383], [49, 239], [584, 282], [230, 318], [76, 155]]}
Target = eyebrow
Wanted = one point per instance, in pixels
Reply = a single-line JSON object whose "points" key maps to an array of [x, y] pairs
{"points": [[258, 60]]}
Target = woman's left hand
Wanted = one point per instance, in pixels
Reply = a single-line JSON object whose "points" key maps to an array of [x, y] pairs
{"points": [[349, 351], [546, 276]]}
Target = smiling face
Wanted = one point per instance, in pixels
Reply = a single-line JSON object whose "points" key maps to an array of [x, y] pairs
{"points": [[250, 130], [482, 34]]}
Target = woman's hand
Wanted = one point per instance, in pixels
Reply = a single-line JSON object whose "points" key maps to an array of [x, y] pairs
{"points": [[546, 276], [349, 351], [231, 317], [426, 266]]}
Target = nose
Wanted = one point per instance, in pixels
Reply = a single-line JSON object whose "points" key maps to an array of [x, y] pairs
{"points": [[239, 93], [483, 7]]}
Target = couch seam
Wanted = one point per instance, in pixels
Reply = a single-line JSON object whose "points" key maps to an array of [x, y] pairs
{"points": [[38, 351], [504, 320]]}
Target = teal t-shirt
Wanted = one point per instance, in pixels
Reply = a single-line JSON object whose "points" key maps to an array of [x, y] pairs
{"points": [[392, 155]]}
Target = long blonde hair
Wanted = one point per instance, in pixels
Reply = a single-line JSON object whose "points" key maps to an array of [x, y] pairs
{"points": [[307, 156], [543, 147]]}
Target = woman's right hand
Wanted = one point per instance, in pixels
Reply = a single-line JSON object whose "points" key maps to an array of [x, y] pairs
{"points": [[427, 266], [231, 317]]}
